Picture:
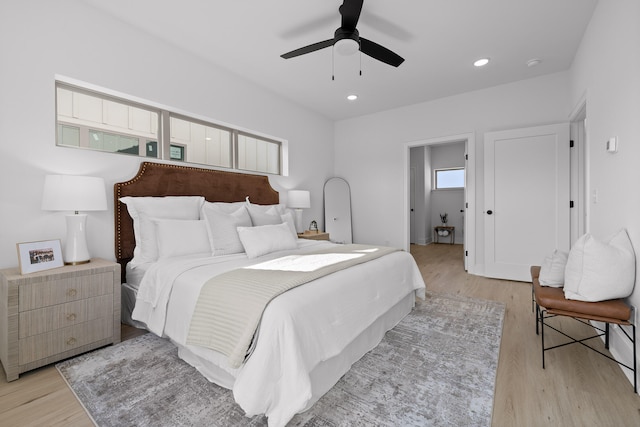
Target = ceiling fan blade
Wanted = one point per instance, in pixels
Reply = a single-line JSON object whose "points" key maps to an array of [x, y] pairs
{"points": [[380, 53], [350, 11], [308, 49]]}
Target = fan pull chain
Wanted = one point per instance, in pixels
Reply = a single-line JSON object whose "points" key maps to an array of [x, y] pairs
{"points": [[333, 63], [360, 62]]}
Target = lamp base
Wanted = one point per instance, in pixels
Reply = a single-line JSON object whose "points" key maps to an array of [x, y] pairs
{"points": [[75, 247], [298, 220], [77, 262]]}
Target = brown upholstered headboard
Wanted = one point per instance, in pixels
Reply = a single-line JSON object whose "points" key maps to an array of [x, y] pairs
{"points": [[158, 179]]}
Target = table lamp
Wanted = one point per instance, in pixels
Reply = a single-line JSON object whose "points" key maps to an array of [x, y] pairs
{"points": [[74, 193], [298, 200]]}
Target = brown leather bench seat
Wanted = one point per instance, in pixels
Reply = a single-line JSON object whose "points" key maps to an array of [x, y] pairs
{"points": [[611, 311], [550, 302]]}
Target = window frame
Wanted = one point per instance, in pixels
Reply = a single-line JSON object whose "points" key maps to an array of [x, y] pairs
{"points": [[435, 178], [163, 132]]}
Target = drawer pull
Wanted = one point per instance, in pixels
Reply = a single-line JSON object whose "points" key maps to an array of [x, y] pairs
{"points": [[72, 292], [71, 317], [71, 341]]}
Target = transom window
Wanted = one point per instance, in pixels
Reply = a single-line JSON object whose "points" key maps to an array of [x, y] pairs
{"points": [[97, 121], [448, 178]]}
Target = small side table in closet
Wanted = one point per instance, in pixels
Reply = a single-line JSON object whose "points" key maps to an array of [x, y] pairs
{"points": [[451, 233]]}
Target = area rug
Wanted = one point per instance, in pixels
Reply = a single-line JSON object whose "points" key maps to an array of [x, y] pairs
{"points": [[437, 367]]}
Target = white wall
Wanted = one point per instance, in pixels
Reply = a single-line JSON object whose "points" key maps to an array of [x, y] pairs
{"points": [[40, 39], [606, 72], [369, 149]]}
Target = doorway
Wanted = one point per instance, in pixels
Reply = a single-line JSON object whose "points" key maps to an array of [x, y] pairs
{"points": [[420, 216]]}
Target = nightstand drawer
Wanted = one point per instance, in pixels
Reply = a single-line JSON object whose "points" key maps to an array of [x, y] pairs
{"points": [[61, 290], [44, 345], [34, 322]]}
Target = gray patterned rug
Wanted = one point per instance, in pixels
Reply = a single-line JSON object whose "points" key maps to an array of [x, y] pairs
{"points": [[436, 368]]}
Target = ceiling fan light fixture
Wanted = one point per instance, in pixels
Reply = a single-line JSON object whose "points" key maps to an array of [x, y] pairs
{"points": [[346, 47], [481, 62]]}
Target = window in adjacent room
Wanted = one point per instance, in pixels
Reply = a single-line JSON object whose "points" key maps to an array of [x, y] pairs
{"points": [[448, 178], [87, 118]]}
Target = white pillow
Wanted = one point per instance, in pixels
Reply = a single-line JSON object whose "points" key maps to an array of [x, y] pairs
{"points": [[598, 271], [178, 237], [222, 226], [552, 269], [262, 240], [287, 218], [226, 207], [143, 209], [265, 214]]}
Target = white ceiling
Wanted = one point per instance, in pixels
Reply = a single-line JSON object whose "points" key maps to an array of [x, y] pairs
{"points": [[439, 40]]}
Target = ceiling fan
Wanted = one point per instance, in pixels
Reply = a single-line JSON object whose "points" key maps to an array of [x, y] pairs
{"points": [[347, 40]]}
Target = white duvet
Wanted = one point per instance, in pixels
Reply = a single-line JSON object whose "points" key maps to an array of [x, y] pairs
{"points": [[299, 329]]}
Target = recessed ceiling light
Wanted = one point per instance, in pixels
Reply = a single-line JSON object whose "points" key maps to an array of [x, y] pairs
{"points": [[352, 97], [481, 62], [533, 62]]}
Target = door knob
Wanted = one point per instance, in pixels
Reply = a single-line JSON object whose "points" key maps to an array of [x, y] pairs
{"points": [[489, 212]]}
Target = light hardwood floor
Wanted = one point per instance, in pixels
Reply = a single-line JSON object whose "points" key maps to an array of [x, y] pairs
{"points": [[577, 388]]}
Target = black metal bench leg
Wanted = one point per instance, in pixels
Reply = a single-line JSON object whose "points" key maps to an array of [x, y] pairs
{"points": [[635, 374], [541, 333], [606, 336]]}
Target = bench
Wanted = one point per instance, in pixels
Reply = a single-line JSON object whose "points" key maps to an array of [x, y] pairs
{"points": [[550, 302]]}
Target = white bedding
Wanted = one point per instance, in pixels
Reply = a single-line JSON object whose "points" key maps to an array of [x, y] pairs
{"points": [[300, 329]]}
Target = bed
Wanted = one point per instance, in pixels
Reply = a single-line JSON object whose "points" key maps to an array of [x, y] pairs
{"points": [[308, 336]]}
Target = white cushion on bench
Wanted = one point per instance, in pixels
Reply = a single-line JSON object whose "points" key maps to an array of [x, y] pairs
{"points": [[552, 269], [598, 271]]}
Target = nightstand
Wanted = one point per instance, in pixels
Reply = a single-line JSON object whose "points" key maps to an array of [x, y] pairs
{"points": [[55, 314], [314, 235]]}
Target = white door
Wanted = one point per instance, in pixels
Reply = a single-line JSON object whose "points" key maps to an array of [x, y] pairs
{"points": [[526, 206], [337, 210]]}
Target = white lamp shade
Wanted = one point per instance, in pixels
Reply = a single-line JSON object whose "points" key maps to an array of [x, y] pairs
{"points": [[74, 193], [299, 199]]}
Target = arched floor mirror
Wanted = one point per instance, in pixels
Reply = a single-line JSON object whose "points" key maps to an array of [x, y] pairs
{"points": [[337, 210]]}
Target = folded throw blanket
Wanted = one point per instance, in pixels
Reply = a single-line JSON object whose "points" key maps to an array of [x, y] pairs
{"points": [[230, 305]]}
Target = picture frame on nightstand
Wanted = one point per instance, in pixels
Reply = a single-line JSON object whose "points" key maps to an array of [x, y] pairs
{"points": [[39, 256]]}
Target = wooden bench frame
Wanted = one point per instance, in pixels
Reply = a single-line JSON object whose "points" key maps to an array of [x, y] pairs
{"points": [[550, 302]]}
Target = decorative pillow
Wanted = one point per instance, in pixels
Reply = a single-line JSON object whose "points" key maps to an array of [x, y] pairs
{"points": [[262, 240], [598, 271], [143, 209], [222, 225], [552, 269], [178, 237]]}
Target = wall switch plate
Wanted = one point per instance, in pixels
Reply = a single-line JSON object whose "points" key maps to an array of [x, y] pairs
{"points": [[612, 145]]}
